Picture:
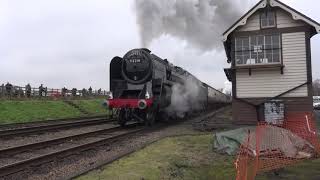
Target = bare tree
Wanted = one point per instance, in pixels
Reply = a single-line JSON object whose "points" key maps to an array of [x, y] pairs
{"points": [[316, 87]]}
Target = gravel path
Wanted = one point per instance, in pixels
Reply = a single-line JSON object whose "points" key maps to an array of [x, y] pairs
{"points": [[221, 119], [94, 158]]}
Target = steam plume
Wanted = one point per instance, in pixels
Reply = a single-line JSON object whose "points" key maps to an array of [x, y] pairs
{"points": [[185, 98], [199, 22]]}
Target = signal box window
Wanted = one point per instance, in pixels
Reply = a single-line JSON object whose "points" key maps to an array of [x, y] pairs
{"points": [[268, 19], [258, 49]]}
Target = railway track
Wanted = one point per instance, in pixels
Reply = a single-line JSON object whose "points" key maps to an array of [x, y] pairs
{"points": [[47, 122], [21, 159], [34, 128]]}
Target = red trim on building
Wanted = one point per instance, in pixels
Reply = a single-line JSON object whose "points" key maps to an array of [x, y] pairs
{"points": [[127, 103]]}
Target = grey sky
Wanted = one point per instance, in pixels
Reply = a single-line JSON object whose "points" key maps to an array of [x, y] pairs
{"points": [[58, 42]]}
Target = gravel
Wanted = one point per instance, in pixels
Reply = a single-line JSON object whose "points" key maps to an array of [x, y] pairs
{"points": [[221, 119], [44, 123], [56, 148], [97, 157], [19, 141], [71, 165]]}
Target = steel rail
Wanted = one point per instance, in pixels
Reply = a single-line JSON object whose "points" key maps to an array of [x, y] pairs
{"points": [[41, 159], [56, 126], [28, 147], [26, 124]]}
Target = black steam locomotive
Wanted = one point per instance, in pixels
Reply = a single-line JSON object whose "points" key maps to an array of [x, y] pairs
{"points": [[143, 87]]}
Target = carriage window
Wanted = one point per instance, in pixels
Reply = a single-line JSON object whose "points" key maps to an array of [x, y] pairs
{"points": [[260, 49], [268, 19]]}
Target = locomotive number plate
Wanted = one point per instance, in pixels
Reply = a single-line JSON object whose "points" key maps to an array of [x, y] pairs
{"points": [[135, 60]]}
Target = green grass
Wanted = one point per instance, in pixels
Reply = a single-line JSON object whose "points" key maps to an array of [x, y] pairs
{"points": [[37, 110], [93, 106], [307, 170], [187, 157]]}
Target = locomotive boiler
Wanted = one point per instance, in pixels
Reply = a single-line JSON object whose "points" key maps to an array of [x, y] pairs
{"points": [[142, 86]]}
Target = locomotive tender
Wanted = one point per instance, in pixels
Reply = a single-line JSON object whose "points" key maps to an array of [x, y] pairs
{"points": [[142, 85]]}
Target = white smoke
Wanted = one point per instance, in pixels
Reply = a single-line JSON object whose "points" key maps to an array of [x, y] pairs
{"points": [[184, 98], [199, 22], [227, 88]]}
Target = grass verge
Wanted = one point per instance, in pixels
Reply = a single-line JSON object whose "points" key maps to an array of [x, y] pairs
{"points": [[38, 110], [306, 170], [186, 157], [92, 106], [189, 157]]}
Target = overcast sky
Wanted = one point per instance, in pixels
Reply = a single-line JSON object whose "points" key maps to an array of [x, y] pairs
{"points": [[70, 43]]}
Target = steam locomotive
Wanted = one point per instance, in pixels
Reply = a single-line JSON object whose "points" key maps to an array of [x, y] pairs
{"points": [[146, 88]]}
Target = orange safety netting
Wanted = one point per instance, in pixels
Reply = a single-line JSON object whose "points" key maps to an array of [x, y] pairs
{"points": [[271, 147]]}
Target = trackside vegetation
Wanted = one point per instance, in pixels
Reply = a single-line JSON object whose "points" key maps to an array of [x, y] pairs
{"points": [[92, 106], [188, 157], [185, 157], [38, 110]]}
